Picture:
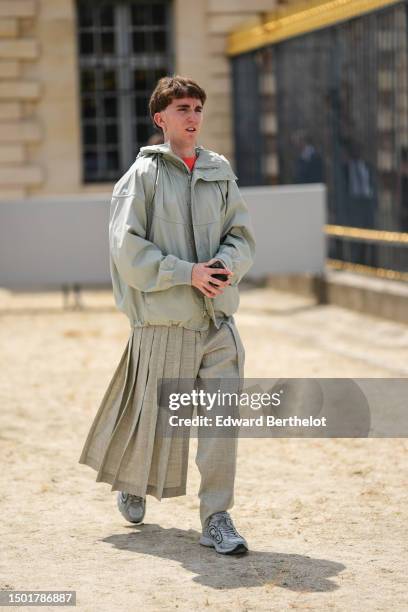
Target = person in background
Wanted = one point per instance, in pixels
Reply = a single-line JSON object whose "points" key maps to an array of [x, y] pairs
{"points": [[156, 138], [359, 202], [309, 164], [403, 189]]}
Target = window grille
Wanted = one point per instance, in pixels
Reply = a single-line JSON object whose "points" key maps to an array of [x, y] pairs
{"points": [[124, 47], [343, 88]]}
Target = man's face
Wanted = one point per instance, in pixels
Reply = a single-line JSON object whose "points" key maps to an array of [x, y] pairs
{"points": [[181, 120]]}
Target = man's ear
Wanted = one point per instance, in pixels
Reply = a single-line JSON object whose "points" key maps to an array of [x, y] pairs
{"points": [[157, 118]]}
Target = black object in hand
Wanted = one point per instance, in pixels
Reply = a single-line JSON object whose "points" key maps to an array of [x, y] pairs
{"points": [[221, 277]]}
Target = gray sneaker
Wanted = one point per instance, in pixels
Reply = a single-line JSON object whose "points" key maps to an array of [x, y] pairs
{"points": [[132, 507], [220, 533]]}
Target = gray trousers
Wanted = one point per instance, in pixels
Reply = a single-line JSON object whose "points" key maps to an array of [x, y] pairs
{"points": [[124, 444]]}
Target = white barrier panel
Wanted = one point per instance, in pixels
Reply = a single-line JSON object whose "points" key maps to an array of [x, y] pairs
{"points": [[48, 242], [289, 228]]}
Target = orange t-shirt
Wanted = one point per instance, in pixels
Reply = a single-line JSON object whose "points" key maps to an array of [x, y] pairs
{"points": [[190, 161]]}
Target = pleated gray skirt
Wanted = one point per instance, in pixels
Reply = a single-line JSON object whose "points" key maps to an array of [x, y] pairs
{"points": [[122, 443]]}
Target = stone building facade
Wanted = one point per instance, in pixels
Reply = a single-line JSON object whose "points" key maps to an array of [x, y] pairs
{"points": [[41, 142]]}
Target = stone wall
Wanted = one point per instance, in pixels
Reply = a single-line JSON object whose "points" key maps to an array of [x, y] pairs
{"points": [[20, 94], [40, 141]]}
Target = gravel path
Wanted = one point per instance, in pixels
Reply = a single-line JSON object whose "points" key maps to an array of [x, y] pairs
{"points": [[326, 519]]}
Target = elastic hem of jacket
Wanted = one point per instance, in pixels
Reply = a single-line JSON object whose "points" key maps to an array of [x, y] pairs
{"points": [[187, 325]]}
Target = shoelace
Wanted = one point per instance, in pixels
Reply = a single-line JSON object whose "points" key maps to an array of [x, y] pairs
{"points": [[133, 498], [136, 498], [228, 524]]}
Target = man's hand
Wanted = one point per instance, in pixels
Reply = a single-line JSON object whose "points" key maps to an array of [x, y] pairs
{"points": [[202, 277]]}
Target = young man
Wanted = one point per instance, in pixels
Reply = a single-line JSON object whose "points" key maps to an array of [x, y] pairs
{"points": [[174, 213]]}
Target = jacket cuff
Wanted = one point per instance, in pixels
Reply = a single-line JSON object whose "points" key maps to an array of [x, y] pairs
{"points": [[225, 260], [183, 272]]}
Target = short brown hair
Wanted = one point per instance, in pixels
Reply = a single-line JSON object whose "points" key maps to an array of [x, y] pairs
{"points": [[170, 88]]}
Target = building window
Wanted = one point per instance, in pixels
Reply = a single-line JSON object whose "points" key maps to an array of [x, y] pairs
{"points": [[124, 48]]}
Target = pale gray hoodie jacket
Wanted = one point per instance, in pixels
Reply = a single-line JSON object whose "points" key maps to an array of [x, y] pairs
{"points": [[163, 219]]}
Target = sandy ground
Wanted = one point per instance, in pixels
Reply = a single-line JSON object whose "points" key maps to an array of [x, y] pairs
{"points": [[326, 519]]}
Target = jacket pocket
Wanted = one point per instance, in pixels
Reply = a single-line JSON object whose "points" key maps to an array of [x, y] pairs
{"points": [[180, 303], [228, 302]]}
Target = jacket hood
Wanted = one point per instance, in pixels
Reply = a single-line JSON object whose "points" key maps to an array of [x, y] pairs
{"points": [[213, 165]]}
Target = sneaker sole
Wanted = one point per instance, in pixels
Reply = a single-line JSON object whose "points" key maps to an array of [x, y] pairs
{"points": [[133, 522], [238, 550], [126, 517]]}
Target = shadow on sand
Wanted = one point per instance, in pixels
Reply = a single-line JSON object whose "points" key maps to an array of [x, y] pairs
{"points": [[294, 572]]}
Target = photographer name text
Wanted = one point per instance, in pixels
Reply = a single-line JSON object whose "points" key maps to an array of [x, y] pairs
{"points": [[259, 421]]}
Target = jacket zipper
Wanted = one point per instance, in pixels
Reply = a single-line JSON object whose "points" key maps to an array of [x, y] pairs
{"points": [[191, 228]]}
